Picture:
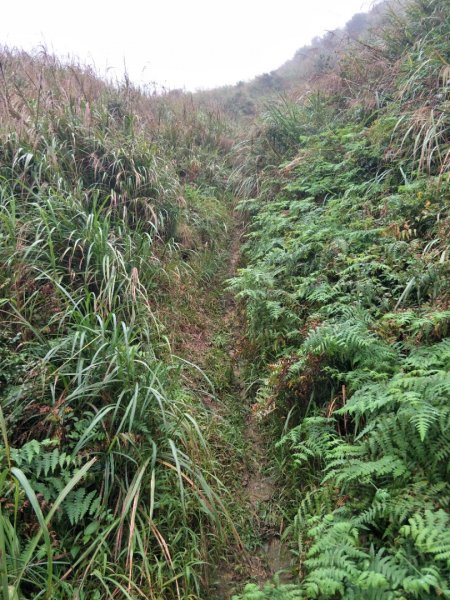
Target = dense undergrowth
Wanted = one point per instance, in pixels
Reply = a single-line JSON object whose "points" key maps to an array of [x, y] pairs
{"points": [[346, 293], [110, 200]]}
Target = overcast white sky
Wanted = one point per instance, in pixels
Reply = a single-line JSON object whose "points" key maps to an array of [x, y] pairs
{"points": [[177, 43]]}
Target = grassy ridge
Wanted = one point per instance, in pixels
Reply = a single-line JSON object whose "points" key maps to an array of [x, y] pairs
{"points": [[347, 300]]}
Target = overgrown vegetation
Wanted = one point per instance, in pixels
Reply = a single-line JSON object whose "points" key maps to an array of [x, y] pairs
{"points": [[109, 199], [123, 450], [347, 301]]}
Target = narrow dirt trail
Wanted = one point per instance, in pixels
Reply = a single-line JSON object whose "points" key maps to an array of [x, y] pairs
{"points": [[258, 488], [211, 330]]}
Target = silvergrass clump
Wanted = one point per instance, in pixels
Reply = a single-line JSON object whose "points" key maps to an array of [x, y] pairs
{"points": [[108, 484]]}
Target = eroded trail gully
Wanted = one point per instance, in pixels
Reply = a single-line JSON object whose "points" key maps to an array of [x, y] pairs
{"points": [[267, 555], [211, 334]]}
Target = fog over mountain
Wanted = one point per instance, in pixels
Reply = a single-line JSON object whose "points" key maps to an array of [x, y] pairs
{"points": [[178, 44]]}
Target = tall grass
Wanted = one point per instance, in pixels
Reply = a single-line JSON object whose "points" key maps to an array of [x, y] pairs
{"points": [[107, 481]]}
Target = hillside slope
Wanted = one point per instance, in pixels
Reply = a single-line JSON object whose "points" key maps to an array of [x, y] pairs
{"points": [[346, 292], [112, 204]]}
